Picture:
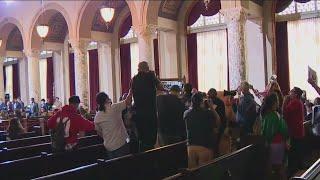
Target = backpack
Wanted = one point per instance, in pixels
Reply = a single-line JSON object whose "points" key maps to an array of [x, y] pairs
{"points": [[58, 141]]}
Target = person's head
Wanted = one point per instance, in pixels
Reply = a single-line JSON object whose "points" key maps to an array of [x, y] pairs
{"points": [[274, 86], [270, 103], [212, 93], [17, 113], [175, 90], [103, 101], [143, 67], [57, 99], [194, 90], [32, 100], [197, 100], [43, 101], [187, 88], [74, 101], [316, 101], [309, 106], [296, 93], [245, 87]]}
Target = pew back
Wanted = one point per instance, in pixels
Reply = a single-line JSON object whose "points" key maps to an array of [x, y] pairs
{"points": [[153, 164], [24, 142]]}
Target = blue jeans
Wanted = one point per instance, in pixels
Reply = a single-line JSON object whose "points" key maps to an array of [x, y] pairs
{"points": [[122, 151]]}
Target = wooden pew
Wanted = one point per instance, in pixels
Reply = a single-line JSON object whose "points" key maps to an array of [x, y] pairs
{"points": [[34, 150], [45, 164], [24, 142], [246, 163], [154, 164], [313, 173]]}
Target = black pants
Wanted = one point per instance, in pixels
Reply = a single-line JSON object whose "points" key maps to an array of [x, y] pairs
{"points": [[295, 156], [122, 151]]}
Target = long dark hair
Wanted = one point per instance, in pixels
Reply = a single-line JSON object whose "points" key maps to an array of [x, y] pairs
{"points": [[268, 103], [14, 129], [101, 100]]}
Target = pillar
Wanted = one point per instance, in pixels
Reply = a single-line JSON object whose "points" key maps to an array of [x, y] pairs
{"points": [[145, 43], [236, 21], [81, 71], [2, 58], [105, 64], [23, 77], [33, 57]]}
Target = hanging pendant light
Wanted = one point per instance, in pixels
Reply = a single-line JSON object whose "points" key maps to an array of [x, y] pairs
{"points": [[42, 30], [107, 14]]}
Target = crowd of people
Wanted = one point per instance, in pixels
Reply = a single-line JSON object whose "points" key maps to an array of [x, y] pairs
{"points": [[150, 115]]}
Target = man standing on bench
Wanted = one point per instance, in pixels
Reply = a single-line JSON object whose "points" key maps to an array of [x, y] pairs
{"points": [[73, 123]]}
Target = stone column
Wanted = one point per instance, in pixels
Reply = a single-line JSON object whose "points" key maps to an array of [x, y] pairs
{"points": [[145, 43], [105, 68], [236, 21], [81, 71], [2, 58], [33, 57]]}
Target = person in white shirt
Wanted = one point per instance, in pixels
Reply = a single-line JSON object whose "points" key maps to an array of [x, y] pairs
{"points": [[110, 126], [57, 104]]}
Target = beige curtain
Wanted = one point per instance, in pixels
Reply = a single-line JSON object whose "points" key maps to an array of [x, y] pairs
{"points": [[43, 78], [9, 81], [304, 51], [212, 60], [134, 53]]}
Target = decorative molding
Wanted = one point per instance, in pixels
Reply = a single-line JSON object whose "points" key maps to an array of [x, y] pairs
{"points": [[32, 53], [170, 9]]}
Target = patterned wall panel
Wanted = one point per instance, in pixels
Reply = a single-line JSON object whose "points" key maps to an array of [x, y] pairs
{"points": [[15, 42], [170, 8], [58, 29]]}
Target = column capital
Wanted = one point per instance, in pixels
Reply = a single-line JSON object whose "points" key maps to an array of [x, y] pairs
{"points": [[235, 14], [81, 45], [104, 44], [145, 30], [31, 53]]}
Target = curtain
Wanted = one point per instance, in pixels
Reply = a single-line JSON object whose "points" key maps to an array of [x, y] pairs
{"points": [[72, 75], [192, 59], [43, 78], [304, 52], [93, 77], [156, 56], [200, 9], [283, 4], [4, 77], [16, 82], [50, 79], [125, 26], [212, 60], [282, 56], [134, 56], [9, 81], [125, 64]]}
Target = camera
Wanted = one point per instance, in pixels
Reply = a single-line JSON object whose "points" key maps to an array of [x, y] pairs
{"points": [[229, 93]]}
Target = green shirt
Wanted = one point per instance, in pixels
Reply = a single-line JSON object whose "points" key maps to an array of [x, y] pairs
{"points": [[273, 124]]}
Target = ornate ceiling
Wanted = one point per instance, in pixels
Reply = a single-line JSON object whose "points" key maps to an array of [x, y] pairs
{"points": [[99, 24], [58, 29], [170, 9], [14, 42]]}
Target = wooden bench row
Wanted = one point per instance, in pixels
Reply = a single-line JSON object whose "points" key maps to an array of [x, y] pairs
{"points": [[313, 173], [246, 163], [34, 150], [154, 164]]}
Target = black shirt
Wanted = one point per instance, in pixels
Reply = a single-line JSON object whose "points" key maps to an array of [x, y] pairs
{"points": [[170, 114], [200, 124], [221, 109]]}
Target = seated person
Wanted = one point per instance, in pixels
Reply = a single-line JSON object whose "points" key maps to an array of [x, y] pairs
{"points": [[200, 125], [74, 123], [43, 106], [170, 115], [109, 125], [15, 129]]}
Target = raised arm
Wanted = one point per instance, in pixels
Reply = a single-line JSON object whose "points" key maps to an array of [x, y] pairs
{"points": [[314, 85]]}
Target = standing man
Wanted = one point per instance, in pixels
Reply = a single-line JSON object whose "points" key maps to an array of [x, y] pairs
{"points": [[293, 113], [144, 87], [34, 108]]}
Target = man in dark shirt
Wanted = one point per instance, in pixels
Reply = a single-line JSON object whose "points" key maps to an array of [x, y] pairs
{"points": [[144, 88], [220, 109], [170, 111], [200, 125]]}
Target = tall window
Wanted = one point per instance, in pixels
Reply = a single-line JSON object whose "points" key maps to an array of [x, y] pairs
{"points": [[211, 52], [9, 81], [43, 78], [131, 38], [304, 51]]}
